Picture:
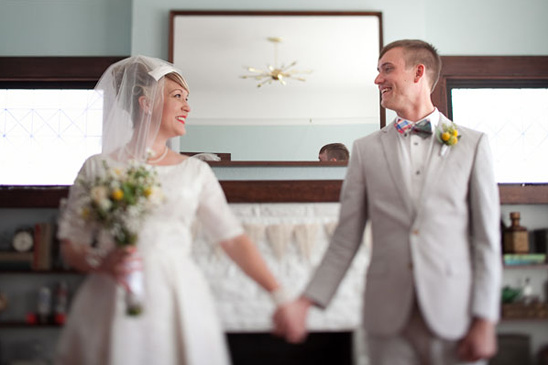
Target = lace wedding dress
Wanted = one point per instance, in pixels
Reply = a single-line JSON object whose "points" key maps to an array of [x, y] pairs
{"points": [[179, 324]]}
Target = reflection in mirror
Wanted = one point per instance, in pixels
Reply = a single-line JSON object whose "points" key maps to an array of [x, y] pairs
{"points": [[515, 120], [267, 117]]}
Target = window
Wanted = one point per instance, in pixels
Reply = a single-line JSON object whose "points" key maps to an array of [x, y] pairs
{"points": [[493, 72], [47, 133], [488, 72], [516, 121], [50, 117]]}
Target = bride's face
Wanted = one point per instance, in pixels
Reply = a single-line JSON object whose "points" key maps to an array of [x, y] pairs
{"points": [[175, 110]]}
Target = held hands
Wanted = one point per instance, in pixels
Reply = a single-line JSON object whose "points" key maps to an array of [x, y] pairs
{"points": [[480, 342], [290, 320]]}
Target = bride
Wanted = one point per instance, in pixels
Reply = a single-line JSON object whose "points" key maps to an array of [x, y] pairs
{"points": [[146, 105]]}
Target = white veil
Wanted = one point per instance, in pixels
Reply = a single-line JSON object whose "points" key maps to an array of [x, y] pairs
{"points": [[133, 97]]}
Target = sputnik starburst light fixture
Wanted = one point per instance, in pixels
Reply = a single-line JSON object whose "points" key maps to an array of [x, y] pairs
{"points": [[273, 72]]}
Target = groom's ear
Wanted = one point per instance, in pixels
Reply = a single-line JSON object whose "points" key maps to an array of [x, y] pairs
{"points": [[420, 71]]}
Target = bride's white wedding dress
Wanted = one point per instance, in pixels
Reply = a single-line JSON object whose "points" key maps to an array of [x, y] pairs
{"points": [[179, 324]]}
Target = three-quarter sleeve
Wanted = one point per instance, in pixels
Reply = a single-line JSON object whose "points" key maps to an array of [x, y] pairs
{"points": [[214, 213]]}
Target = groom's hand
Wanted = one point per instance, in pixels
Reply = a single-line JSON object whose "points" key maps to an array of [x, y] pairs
{"points": [[480, 342], [290, 320]]}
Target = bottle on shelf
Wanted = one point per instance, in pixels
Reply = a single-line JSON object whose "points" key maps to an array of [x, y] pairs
{"points": [[516, 237], [44, 305], [527, 292], [3, 302], [61, 302]]}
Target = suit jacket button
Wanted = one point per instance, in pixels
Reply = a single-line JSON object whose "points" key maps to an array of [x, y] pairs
{"points": [[416, 232], [410, 265]]}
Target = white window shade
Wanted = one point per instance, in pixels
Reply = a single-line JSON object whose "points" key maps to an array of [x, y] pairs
{"points": [[46, 134], [516, 121]]}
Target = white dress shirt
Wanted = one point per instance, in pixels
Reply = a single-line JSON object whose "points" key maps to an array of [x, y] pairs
{"points": [[415, 152]]}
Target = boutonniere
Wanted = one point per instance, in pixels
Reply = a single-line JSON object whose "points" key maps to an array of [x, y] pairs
{"points": [[448, 135]]}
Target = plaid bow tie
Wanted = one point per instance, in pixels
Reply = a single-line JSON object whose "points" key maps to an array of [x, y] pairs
{"points": [[422, 128]]}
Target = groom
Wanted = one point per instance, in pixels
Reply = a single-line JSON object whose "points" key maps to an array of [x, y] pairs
{"points": [[433, 284]]}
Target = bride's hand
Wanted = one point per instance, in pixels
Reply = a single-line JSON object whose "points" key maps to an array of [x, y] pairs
{"points": [[116, 263]]}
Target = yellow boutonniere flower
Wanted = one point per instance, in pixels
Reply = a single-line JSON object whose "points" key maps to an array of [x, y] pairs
{"points": [[448, 135]]}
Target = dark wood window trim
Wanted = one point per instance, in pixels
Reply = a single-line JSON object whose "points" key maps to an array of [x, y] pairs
{"points": [[45, 72], [489, 71], [483, 69], [51, 69]]}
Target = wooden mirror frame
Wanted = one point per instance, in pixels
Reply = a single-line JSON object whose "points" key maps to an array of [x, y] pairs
{"points": [[175, 14]]}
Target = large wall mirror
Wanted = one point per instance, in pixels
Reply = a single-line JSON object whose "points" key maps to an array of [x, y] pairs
{"points": [[241, 106]]}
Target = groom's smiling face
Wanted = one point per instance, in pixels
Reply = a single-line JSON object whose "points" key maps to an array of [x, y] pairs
{"points": [[395, 80]]}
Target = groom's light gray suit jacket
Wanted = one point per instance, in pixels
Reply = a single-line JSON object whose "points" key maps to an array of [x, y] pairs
{"points": [[445, 250]]}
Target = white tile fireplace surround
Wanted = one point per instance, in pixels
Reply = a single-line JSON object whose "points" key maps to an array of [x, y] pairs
{"points": [[292, 237]]}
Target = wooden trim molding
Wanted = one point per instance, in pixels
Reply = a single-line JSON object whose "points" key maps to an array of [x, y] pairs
{"points": [[264, 191], [485, 69], [261, 191], [523, 193], [47, 69], [282, 191], [277, 163]]}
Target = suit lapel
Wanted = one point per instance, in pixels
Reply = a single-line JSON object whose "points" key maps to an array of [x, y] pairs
{"points": [[391, 146]]}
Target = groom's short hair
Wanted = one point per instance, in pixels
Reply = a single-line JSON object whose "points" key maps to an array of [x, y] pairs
{"points": [[419, 52]]}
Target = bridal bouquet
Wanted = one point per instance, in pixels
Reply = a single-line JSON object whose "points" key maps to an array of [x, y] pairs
{"points": [[118, 202]]}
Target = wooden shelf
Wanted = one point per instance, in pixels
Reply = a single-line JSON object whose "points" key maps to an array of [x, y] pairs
{"points": [[22, 324], [520, 311], [534, 266], [40, 272], [523, 319]]}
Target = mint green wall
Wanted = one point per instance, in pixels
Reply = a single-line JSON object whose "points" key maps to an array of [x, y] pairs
{"points": [[466, 27], [120, 27], [488, 27], [65, 28]]}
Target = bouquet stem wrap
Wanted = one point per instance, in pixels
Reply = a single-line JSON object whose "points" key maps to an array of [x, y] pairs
{"points": [[135, 288]]}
